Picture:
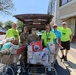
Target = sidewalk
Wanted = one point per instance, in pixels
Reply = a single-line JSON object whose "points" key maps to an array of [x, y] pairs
{"points": [[71, 63]]}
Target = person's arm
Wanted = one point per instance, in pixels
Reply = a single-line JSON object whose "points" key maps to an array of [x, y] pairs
{"points": [[7, 33], [42, 39], [71, 37], [28, 40], [5, 37], [54, 37], [38, 38], [18, 35], [21, 40], [17, 39]]}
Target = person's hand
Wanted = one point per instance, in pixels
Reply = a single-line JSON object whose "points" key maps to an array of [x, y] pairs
{"points": [[60, 46], [20, 44], [70, 40]]}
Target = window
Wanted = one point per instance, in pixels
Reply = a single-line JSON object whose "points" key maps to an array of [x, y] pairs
{"points": [[62, 2], [69, 0], [53, 6]]}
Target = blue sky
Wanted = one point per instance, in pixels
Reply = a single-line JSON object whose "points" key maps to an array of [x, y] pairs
{"points": [[25, 7]]}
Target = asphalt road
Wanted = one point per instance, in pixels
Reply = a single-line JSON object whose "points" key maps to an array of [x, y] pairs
{"points": [[58, 66]]}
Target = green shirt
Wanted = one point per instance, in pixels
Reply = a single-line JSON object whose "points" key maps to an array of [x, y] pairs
{"points": [[48, 37], [60, 29], [12, 33], [66, 32]]}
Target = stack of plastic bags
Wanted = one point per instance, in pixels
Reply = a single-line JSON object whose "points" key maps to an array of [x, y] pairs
{"points": [[40, 57]]}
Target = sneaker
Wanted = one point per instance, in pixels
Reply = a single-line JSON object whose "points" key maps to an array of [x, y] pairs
{"points": [[65, 58], [62, 58]]}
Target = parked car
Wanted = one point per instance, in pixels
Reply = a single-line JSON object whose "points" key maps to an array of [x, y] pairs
{"points": [[2, 31]]}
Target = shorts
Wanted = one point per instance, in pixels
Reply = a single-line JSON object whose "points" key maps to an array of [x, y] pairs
{"points": [[65, 45]]}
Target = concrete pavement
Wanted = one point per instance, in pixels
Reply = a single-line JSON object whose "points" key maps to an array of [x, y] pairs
{"points": [[71, 63]]}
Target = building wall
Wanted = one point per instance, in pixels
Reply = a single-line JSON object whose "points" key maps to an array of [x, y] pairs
{"points": [[68, 10], [58, 21], [71, 24], [67, 13]]}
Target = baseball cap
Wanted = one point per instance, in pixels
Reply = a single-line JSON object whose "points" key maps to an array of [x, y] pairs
{"points": [[64, 23], [55, 25]]}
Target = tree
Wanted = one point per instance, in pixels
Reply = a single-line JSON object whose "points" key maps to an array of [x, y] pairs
{"points": [[1, 23], [8, 24], [19, 25], [6, 6]]}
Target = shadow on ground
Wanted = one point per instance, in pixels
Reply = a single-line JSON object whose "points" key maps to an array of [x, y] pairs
{"points": [[60, 70]]}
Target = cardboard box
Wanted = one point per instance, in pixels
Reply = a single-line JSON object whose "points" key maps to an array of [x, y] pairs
{"points": [[7, 60]]}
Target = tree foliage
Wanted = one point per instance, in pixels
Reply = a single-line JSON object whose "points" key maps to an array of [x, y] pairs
{"points": [[6, 6], [1, 24], [8, 24], [19, 25]]}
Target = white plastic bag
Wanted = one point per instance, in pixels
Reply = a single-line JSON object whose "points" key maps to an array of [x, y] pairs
{"points": [[45, 50], [32, 61], [29, 47], [14, 48], [51, 47], [37, 56], [30, 54], [45, 59]]}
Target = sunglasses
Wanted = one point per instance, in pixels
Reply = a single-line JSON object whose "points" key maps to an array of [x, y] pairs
{"points": [[55, 27]]}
